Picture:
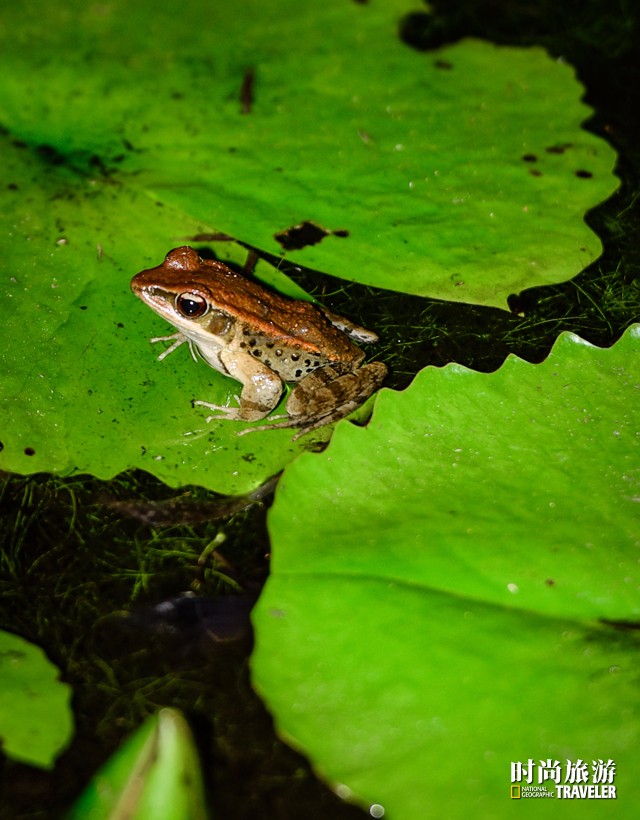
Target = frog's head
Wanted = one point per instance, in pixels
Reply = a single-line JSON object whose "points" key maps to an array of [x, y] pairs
{"points": [[183, 291]]}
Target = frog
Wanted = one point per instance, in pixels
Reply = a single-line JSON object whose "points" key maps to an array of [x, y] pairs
{"points": [[263, 340]]}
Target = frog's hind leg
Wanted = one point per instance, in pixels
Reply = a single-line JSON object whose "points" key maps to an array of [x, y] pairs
{"points": [[333, 391], [328, 395]]}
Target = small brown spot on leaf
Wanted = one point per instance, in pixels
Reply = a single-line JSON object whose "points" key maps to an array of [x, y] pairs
{"points": [[584, 174], [529, 158], [304, 234], [558, 149]]}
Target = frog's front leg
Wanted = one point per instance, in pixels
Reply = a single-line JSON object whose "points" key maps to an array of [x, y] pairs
{"points": [[261, 388]]}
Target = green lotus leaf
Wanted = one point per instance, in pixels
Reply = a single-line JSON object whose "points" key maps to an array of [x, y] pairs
{"points": [[82, 390], [446, 169], [454, 588], [124, 136], [36, 722]]}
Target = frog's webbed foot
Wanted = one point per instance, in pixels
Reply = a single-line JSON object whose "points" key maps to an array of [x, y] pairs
{"points": [[223, 411], [245, 411], [288, 423], [304, 425]]}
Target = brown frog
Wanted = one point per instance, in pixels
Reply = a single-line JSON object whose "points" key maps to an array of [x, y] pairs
{"points": [[261, 339]]}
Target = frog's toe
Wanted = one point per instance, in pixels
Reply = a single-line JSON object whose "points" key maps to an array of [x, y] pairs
{"points": [[225, 414], [222, 411], [289, 423]]}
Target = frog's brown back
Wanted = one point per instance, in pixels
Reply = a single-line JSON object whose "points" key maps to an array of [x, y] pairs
{"points": [[291, 322]]}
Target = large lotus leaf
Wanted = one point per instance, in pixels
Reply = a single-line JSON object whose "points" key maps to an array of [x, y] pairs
{"points": [[456, 588], [81, 387], [35, 715], [446, 169], [124, 137]]}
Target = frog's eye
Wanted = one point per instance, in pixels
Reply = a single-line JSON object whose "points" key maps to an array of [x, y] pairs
{"points": [[191, 305]]}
